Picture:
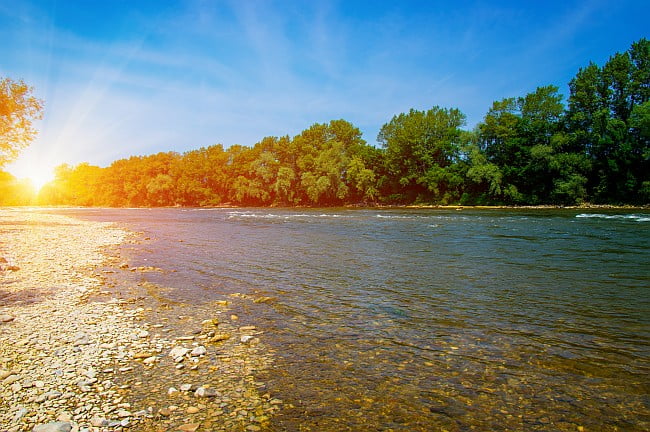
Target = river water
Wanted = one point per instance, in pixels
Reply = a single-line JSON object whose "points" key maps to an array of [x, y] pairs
{"points": [[426, 319]]}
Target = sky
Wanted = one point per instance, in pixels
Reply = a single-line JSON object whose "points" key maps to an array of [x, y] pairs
{"points": [[123, 78]]}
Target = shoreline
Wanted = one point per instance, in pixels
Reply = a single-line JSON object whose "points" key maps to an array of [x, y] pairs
{"points": [[87, 353], [361, 207]]}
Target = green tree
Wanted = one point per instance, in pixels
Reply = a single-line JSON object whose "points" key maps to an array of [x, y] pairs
{"points": [[421, 149], [603, 119], [519, 136]]}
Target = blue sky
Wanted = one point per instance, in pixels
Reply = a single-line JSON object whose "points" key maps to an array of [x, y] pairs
{"points": [[123, 78]]}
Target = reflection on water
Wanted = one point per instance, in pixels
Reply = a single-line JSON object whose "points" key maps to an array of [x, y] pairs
{"points": [[429, 319]]}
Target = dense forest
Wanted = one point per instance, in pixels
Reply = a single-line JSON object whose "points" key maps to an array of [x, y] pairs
{"points": [[534, 149]]}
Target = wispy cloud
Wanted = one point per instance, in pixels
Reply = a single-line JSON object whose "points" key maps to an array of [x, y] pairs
{"points": [[176, 76]]}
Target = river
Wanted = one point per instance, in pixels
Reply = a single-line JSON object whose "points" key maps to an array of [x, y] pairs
{"points": [[408, 320]]}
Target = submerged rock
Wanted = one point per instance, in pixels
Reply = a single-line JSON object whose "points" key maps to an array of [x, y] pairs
{"points": [[198, 351], [53, 427], [178, 351]]}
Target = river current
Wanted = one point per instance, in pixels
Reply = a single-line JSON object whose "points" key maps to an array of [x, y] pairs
{"points": [[408, 320]]}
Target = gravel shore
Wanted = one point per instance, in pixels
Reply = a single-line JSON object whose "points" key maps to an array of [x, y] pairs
{"points": [[77, 356]]}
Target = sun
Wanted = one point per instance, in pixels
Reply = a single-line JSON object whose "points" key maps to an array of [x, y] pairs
{"points": [[37, 170], [40, 178]]}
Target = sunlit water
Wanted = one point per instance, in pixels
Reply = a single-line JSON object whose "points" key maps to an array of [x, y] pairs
{"points": [[427, 319]]}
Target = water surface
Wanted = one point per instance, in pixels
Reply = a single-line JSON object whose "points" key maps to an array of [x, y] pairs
{"points": [[427, 319]]}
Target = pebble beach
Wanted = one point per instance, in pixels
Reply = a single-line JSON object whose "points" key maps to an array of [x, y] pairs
{"points": [[81, 352]]}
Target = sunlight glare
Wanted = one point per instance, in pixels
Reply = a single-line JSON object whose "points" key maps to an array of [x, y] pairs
{"points": [[34, 168]]}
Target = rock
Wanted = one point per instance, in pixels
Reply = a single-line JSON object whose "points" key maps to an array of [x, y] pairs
{"points": [[150, 360], [192, 410], [205, 392], [98, 422], [178, 351], [11, 379], [143, 334], [7, 318], [20, 414], [141, 355], [246, 338], [234, 317], [211, 322], [173, 391], [189, 427], [165, 412], [220, 337], [81, 339], [198, 351], [121, 413], [186, 387], [263, 300], [64, 417], [5, 373], [53, 427]]}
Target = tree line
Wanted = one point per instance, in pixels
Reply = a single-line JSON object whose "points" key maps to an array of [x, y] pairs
{"points": [[528, 150]]}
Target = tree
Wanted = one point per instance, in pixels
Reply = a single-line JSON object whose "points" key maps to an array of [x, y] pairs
{"points": [[18, 109], [605, 119], [519, 136], [421, 148]]}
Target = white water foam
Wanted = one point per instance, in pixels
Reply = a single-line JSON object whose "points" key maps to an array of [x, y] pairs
{"points": [[631, 217]]}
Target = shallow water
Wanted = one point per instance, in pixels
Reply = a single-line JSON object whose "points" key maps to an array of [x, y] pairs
{"points": [[427, 319]]}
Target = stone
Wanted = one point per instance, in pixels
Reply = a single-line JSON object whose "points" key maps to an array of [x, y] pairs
{"points": [[150, 360], [178, 351], [141, 355], [211, 322], [7, 318], [173, 391], [192, 410], [205, 392], [143, 334], [11, 379], [220, 337], [121, 413], [165, 412], [53, 427], [246, 338], [198, 351], [185, 387], [98, 422], [5, 373], [263, 300], [189, 427]]}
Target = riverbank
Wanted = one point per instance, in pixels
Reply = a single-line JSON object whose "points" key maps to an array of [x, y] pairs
{"points": [[81, 352]]}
